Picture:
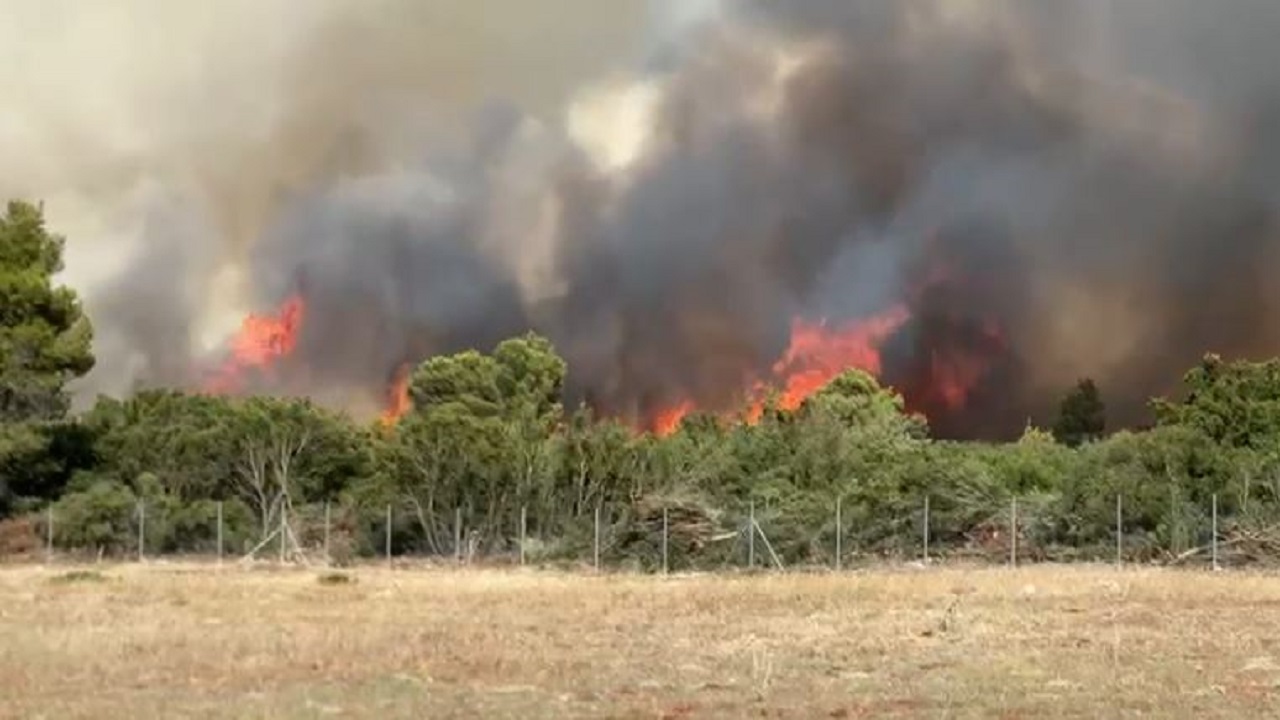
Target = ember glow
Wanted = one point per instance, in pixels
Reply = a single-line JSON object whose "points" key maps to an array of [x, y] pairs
{"points": [[952, 378]]}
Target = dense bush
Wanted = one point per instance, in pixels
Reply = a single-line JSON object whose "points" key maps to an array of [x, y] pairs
{"points": [[102, 518]]}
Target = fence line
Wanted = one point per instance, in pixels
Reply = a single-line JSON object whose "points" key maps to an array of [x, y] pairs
{"points": [[676, 537]]}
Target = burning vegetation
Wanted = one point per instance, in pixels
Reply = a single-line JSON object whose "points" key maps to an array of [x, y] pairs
{"points": [[260, 345]]}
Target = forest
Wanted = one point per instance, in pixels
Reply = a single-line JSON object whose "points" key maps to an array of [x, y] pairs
{"points": [[488, 454]]}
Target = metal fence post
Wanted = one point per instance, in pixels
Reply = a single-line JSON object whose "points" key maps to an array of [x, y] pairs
{"points": [[596, 544], [48, 525], [925, 530], [1013, 533], [524, 531], [457, 535], [142, 530], [751, 536], [839, 533], [219, 532], [666, 528], [388, 536], [1119, 530], [327, 556], [1214, 540]]}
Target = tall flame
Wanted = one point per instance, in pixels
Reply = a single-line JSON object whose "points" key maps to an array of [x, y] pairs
{"points": [[818, 354], [398, 402], [261, 342]]}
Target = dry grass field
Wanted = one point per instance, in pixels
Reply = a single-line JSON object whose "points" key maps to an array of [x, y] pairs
{"points": [[192, 641]]}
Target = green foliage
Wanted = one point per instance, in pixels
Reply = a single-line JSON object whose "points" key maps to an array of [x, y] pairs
{"points": [[296, 447], [1235, 404], [481, 440], [44, 343], [21, 447], [530, 376], [44, 336], [182, 440], [1082, 416], [37, 460], [102, 517]]}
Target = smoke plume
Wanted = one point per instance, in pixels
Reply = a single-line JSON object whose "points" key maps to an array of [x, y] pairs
{"points": [[1051, 191]]}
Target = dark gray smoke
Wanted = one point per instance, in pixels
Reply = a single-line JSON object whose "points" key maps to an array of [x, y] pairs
{"points": [[1108, 223], [1055, 191]]}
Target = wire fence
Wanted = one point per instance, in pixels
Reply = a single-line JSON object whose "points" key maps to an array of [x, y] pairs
{"points": [[658, 538]]}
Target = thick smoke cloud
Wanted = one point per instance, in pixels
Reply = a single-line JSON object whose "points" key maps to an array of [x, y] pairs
{"points": [[1055, 190]]}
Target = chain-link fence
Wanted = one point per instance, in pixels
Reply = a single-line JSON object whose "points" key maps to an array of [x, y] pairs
{"points": [[659, 536]]}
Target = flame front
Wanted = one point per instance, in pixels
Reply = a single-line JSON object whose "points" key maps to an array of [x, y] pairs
{"points": [[816, 354]]}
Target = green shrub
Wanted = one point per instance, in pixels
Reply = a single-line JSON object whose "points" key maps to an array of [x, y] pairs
{"points": [[100, 519]]}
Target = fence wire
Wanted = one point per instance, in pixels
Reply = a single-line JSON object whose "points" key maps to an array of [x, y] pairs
{"points": [[662, 536]]}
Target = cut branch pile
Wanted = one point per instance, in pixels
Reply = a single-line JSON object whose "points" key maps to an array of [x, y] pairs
{"points": [[691, 528], [690, 525], [1238, 546]]}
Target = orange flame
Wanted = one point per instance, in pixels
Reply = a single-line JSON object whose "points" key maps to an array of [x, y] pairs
{"points": [[398, 402], [263, 339], [815, 356], [261, 342], [668, 421]]}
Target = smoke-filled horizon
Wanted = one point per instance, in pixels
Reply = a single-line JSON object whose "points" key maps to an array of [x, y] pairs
{"points": [[1044, 192]]}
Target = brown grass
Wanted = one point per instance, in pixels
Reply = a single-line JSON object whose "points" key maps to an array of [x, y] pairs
{"points": [[191, 641]]}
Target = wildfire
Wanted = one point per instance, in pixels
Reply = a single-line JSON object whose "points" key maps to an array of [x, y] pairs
{"points": [[816, 355], [266, 339], [398, 402], [954, 375], [261, 342], [668, 421]]}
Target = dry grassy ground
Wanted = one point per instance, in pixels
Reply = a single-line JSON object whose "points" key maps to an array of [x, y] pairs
{"points": [[192, 641]]}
